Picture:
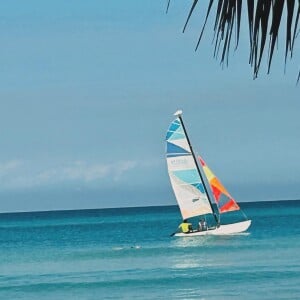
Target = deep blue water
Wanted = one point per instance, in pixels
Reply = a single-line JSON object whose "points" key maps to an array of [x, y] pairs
{"points": [[127, 253]]}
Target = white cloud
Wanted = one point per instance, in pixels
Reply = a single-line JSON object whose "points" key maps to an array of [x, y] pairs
{"points": [[9, 166], [17, 174], [123, 167]]}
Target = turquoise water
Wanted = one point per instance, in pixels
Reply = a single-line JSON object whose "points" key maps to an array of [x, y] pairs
{"points": [[127, 253]]}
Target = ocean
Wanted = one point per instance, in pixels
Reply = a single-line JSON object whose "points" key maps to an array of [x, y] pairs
{"points": [[127, 253]]}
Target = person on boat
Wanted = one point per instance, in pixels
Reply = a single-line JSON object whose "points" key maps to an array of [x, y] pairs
{"points": [[202, 225], [185, 226]]}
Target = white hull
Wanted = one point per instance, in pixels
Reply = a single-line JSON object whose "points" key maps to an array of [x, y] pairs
{"points": [[222, 230]]}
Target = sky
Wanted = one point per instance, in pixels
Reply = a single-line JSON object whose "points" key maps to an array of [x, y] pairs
{"points": [[89, 88]]}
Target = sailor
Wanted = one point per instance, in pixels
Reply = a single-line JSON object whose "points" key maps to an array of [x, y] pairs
{"points": [[202, 225], [185, 227]]}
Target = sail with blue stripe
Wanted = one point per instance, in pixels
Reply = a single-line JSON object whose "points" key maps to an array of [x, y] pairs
{"points": [[184, 175]]}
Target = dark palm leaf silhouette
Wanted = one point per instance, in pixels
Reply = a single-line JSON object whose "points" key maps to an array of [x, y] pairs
{"points": [[265, 21]]}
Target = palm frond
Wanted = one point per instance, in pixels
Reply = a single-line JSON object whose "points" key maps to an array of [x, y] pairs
{"points": [[264, 19]]}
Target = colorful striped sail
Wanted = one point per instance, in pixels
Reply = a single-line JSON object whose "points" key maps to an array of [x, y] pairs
{"points": [[184, 176], [224, 205]]}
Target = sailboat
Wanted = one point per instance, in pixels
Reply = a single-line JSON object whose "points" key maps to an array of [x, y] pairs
{"points": [[195, 196]]}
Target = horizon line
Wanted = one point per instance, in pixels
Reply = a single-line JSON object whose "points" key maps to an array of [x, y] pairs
{"points": [[125, 207]]}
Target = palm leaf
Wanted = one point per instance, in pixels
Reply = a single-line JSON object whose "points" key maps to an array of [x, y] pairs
{"points": [[264, 20]]}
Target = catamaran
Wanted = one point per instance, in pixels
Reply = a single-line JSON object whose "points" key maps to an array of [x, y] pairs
{"points": [[190, 188]]}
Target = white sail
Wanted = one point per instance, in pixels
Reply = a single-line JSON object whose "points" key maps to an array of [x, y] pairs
{"points": [[185, 179]]}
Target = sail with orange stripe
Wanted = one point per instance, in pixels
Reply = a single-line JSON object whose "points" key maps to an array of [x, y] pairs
{"points": [[222, 198]]}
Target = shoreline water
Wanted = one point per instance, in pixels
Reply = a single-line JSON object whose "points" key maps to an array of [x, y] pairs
{"points": [[127, 253]]}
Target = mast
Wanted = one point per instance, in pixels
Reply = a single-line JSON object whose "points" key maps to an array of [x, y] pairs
{"points": [[178, 114]]}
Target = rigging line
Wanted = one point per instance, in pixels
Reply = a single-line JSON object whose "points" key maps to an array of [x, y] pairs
{"points": [[244, 214]]}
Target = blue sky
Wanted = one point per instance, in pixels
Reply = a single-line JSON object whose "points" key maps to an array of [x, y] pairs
{"points": [[88, 89]]}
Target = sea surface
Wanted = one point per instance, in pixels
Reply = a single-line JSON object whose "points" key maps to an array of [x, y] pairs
{"points": [[127, 253]]}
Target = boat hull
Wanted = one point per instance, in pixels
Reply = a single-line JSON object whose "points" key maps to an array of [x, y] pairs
{"points": [[221, 230]]}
